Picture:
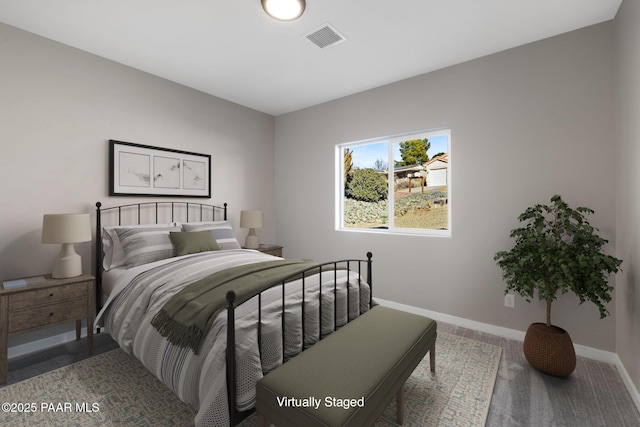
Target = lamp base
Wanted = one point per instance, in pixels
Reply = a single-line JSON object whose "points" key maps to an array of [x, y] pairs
{"points": [[68, 264], [251, 242]]}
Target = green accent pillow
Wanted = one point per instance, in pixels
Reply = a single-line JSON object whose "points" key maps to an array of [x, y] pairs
{"points": [[192, 242]]}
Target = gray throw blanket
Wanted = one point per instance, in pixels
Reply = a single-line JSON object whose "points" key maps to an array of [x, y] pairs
{"points": [[188, 315]]}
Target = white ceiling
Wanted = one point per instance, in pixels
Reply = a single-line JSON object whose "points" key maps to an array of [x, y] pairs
{"points": [[233, 50]]}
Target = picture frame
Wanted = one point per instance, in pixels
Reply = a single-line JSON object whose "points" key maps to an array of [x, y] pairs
{"points": [[144, 170]]}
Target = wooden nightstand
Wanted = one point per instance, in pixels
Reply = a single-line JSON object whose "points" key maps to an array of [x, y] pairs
{"points": [[48, 303], [274, 250]]}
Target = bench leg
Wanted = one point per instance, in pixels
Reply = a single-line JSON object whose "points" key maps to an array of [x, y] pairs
{"points": [[432, 357], [400, 406]]}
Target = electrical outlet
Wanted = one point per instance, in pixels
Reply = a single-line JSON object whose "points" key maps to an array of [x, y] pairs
{"points": [[510, 300]]}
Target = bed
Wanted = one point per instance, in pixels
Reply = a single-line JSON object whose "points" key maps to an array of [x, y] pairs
{"points": [[208, 318]]}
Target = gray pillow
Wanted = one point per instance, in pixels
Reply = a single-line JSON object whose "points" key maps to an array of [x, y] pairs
{"points": [[144, 245]]}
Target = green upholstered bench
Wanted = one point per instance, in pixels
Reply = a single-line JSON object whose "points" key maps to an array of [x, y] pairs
{"points": [[348, 378]]}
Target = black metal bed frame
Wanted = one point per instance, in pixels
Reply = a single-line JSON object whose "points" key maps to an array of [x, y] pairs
{"points": [[201, 208], [233, 303]]}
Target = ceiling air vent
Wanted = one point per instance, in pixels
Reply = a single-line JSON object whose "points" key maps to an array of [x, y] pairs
{"points": [[324, 36]]}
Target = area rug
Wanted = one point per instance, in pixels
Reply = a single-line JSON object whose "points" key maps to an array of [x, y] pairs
{"points": [[114, 389]]}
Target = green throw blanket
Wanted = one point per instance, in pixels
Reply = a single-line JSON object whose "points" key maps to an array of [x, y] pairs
{"points": [[188, 315]]}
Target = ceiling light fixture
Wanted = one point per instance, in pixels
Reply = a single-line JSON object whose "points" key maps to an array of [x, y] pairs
{"points": [[284, 10]]}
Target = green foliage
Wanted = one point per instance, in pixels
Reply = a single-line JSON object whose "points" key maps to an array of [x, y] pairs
{"points": [[558, 251], [403, 205], [367, 185], [358, 214], [414, 151], [438, 193]]}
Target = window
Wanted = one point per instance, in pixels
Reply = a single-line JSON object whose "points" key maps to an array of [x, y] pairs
{"points": [[400, 184]]}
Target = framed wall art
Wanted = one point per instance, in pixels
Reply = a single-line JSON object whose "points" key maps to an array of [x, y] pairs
{"points": [[143, 170]]}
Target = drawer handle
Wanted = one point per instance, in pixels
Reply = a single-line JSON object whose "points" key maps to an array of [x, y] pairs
{"points": [[51, 295], [50, 314]]}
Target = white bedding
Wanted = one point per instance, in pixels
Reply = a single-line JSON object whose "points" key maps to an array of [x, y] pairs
{"points": [[117, 278], [199, 379], [109, 280]]}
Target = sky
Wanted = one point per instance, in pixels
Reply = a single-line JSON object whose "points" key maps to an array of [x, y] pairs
{"points": [[365, 156]]}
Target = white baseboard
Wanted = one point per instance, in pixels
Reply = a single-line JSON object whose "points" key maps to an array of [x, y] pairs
{"points": [[458, 321], [581, 350], [44, 343], [626, 379]]}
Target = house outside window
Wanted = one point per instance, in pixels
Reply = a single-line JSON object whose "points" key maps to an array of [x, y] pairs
{"points": [[399, 184]]}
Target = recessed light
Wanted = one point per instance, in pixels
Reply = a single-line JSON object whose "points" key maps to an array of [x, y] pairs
{"points": [[284, 10]]}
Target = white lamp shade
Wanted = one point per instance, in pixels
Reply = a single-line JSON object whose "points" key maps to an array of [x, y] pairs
{"points": [[251, 219], [66, 228]]}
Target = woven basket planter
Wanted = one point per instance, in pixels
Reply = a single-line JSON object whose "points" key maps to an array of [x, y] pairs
{"points": [[549, 349]]}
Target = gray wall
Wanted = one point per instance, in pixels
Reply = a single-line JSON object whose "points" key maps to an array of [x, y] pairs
{"points": [[59, 107], [525, 124], [628, 195]]}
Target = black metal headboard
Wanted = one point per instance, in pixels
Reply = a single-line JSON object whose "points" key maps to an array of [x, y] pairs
{"points": [[132, 214]]}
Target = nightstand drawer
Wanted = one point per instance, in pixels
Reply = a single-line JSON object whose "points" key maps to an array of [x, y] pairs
{"points": [[23, 300], [37, 317]]}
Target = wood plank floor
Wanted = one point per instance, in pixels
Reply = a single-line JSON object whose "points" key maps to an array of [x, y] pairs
{"points": [[594, 395]]}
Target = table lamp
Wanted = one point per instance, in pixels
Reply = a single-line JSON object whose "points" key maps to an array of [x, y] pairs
{"points": [[251, 220], [66, 229]]}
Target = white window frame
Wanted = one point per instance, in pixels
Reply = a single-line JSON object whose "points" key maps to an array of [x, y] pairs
{"points": [[339, 214]]}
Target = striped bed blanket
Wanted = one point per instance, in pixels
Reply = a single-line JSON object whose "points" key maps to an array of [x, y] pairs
{"points": [[199, 379]]}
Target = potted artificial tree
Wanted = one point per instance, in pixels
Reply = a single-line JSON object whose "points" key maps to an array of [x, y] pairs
{"points": [[557, 251]]}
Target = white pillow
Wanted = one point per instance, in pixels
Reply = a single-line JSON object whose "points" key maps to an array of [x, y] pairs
{"points": [[222, 232], [112, 250]]}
